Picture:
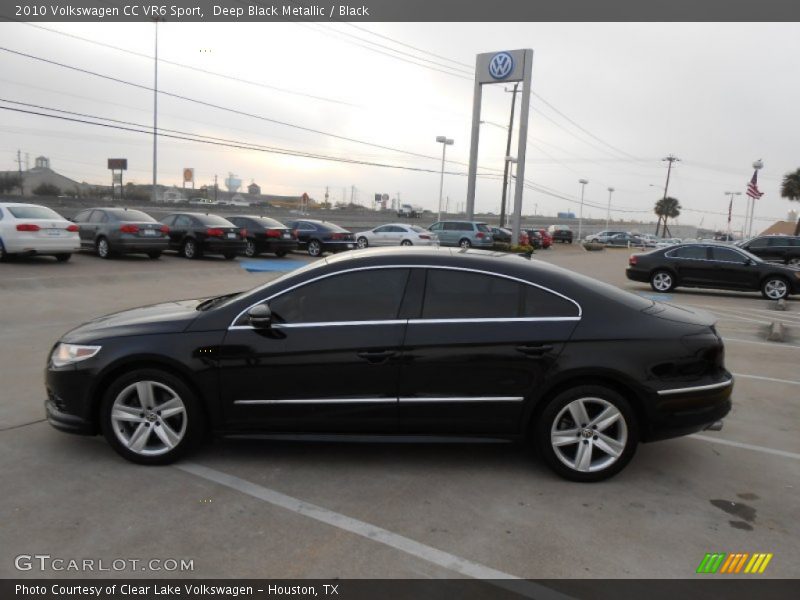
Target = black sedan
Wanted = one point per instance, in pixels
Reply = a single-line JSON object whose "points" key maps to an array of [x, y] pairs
{"points": [[194, 234], [399, 342], [264, 234], [112, 231], [715, 266], [318, 237]]}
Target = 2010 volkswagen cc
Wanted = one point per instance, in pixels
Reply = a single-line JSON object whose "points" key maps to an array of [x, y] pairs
{"points": [[423, 342]]}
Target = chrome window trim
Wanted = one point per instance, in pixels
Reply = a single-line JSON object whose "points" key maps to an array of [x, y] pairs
{"points": [[416, 321], [730, 262], [462, 399], [696, 388], [381, 400]]}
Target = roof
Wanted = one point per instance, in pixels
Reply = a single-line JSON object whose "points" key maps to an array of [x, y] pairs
{"points": [[780, 228]]}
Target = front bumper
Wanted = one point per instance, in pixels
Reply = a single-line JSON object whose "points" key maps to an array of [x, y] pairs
{"points": [[66, 422]]}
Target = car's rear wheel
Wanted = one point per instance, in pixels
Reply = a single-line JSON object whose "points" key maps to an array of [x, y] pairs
{"points": [[362, 242], [155, 254], [662, 281], [314, 248], [406, 243], [150, 417], [465, 243], [64, 257], [587, 433], [775, 288], [103, 248], [250, 249], [190, 249]]}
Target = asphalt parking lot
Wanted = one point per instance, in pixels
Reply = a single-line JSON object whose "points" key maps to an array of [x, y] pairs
{"points": [[322, 510]]}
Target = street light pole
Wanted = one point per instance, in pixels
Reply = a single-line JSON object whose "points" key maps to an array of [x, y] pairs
{"points": [[153, 196], [510, 162], [608, 212], [445, 142], [583, 183]]}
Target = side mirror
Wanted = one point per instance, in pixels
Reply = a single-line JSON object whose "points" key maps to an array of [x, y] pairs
{"points": [[260, 316]]}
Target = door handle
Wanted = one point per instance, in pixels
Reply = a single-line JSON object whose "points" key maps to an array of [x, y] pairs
{"points": [[535, 350], [376, 356]]}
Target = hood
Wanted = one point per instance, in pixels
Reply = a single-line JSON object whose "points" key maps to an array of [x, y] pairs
{"points": [[169, 317], [681, 314]]}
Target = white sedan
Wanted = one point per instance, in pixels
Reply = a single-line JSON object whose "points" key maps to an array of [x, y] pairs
{"points": [[396, 234], [32, 229]]}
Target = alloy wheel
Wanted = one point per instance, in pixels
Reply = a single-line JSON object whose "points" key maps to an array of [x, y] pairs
{"points": [[662, 281], [189, 249], [589, 434], [406, 243], [775, 289], [250, 249], [465, 243], [362, 242], [149, 418], [314, 248], [102, 248]]}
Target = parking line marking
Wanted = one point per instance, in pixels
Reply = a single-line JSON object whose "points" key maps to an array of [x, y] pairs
{"points": [[753, 447], [760, 378], [374, 533], [775, 345]]}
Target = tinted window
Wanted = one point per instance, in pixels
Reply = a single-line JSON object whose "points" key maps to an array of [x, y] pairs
{"points": [[483, 227], [758, 243], [461, 295], [696, 252], [436, 227], [82, 216], [540, 303], [182, 221], [342, 298], [213, 221], [34, 212], [330, 227], [794, 242], [778, 241], [464, 226], [305, 227], [264, 221], [168, 220], [726, 255], [98, 216], [130, 215]]}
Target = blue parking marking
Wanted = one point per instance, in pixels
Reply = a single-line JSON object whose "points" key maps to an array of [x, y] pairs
{"points": [[657, 297], [278, 264]]}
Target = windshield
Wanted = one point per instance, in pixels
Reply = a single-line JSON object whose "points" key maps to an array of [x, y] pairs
{"points": [[34, 212]]}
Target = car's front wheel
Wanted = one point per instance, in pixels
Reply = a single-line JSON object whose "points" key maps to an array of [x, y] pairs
{"points": [[662, 281], [775, 288], [150, 417], [588, 433]]}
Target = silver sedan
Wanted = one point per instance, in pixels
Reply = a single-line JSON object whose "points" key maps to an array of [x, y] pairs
{"points": [[396, 234]]}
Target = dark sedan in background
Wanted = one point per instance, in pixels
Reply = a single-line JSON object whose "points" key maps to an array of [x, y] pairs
{"points": [[194, 234], [403, 342], [715, 266], [318, 237], [264, 234], [110, 231], [775, 248]]}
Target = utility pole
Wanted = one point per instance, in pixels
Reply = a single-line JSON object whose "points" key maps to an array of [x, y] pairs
{"points": [[352, 194], [670, 159], [155, 119], [508, 153], [326, 196], [19, 165], [216, 187], [608, 212]]}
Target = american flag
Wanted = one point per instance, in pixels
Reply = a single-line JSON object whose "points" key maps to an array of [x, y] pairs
{"points": [[752, 187]]}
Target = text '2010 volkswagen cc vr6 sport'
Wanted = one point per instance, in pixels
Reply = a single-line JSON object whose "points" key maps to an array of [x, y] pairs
{"points": [[412, 341]]}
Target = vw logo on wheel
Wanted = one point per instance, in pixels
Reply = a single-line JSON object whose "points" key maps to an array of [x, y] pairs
{"points": [[501, 65]]}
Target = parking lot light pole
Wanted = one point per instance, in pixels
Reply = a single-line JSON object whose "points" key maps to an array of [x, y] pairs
{"points": [[445, 142], [583, 183], [608, 212], [510, 162]]}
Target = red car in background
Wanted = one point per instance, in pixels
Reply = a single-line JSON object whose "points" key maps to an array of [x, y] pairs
{"points": [[547, 239]]}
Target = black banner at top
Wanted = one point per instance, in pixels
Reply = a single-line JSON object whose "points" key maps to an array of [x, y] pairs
{"points": [[400, 10]]}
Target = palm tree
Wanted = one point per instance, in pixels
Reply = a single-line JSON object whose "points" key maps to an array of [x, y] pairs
{"points": [[666, 208], [791, 189]]}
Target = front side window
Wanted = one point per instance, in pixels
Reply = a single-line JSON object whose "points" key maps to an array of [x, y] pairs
{"points": [[341, 298], [383, 229], [758, 243], [436, 227], [727, 255]]}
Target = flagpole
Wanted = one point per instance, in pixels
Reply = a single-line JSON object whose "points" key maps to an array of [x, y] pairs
{"points": [[757, 165]]}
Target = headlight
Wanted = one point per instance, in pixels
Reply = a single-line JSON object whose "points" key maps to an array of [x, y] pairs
{"points": [[65, 354]]}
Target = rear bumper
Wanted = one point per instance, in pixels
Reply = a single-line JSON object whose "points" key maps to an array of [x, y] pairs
{"points": [[636, 275], [682, 410], [42, 245], [337, 246], [132, 245], [276, 245], [223, 246]]}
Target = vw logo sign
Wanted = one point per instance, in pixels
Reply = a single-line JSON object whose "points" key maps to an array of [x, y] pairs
{"points": [[501, 65]]}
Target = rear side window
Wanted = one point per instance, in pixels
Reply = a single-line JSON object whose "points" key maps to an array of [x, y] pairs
{"points": [[168, 220], [464, 295], [758, 243], [98, 216], [82, 216], [34, 212], [691, 252], [341, 298]]}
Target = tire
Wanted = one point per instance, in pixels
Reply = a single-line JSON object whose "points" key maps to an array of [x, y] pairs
{"points": [[229, 255], [102, 248], [155, 254], [135, 427], [662, 281], [794, 262], [3, 253], [465, 243], [250, 249], [362, 243], [314, 248], [190, 249], [602, 447], [281, 253], [63, 257], [775, 288], [406, 243]]}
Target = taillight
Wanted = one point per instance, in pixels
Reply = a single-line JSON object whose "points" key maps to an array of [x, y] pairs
{"points": [[73, 228], [129, 229], [27, 227], [424, 237], [632, 260], [214, 232], [294, 233], [243, 233], [272, 233], [480, 235], [164, 229], [337, 236]]}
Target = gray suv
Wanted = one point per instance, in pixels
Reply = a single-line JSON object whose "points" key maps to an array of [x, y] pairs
{"points": [[466, 234]]}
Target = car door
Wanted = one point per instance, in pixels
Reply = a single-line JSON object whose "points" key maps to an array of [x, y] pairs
{"points": [[478, 347], [178, 230], [438, 230], [732, 269], [380, 236], [692, 264], [82, 221], [328, 363]]}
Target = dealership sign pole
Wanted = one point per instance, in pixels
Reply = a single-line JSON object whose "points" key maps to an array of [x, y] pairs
{"points": [[501, 67]]}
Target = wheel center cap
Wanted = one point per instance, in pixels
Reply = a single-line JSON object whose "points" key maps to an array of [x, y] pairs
{"points": [[150, 416], [587, 433]]}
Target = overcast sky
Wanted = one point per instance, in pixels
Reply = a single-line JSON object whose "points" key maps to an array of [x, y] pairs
{"points": [[716, 95]]}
